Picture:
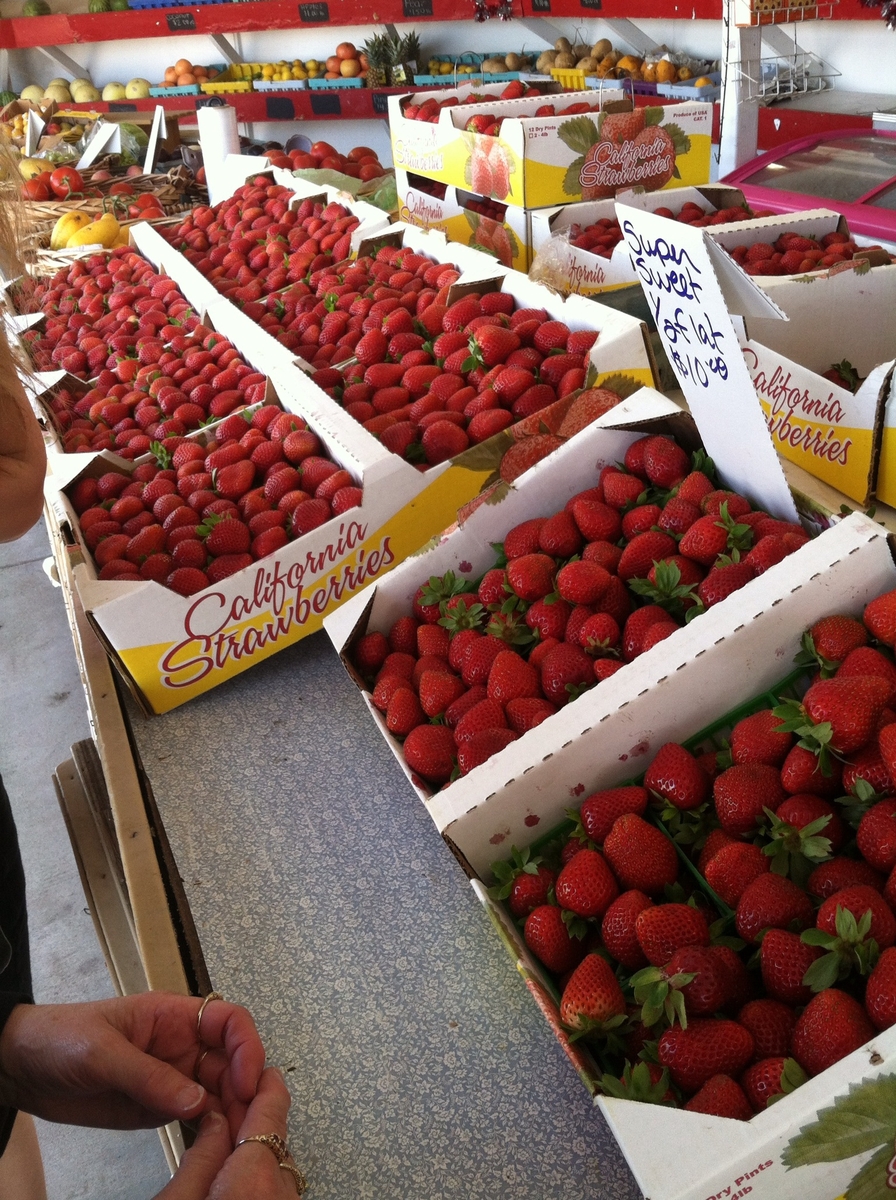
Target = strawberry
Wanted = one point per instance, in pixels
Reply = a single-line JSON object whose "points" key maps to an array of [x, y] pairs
{"points": [[707, 990], [664, 462], [565, 672], [711, 536], [758, 739], [550, 940], [880, 991], [879, 618], [492, 345], [582, 581], [600, 635], [637, 626], [771, 901], [187, 580], [404, 712], [733, 868], [721, 1096], [592, 998], [437, 690], [866, 660], [851, 706], [859, 900], [523, 881], [617, 928], [532, 576], [526, 712], [771, 1076], [706, 1048], [235, 480], [676, 777], [586, 885], [742, 793], [560, 536], [832, 1025], [640, 855], [512, 678], [802, 771], [429, 751], [597, 522], [621, 489], [549, 617], [783, 960], [643, 552], [804, 825], [831, 639], [665, 928], [722, 580], [839, 872], [481, 746], [771, 1024]]}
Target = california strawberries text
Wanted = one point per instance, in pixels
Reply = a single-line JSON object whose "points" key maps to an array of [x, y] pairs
{"points": [[793, 409], [278, 601], [626, 162]]}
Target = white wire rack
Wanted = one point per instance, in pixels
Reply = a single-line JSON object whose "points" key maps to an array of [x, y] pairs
{"points": [[777, 76]]}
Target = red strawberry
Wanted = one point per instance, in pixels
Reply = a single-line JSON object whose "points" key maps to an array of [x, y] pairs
{"points": [[721, 1096], [880, 618], [437, 690], [560, 536], [532, 576], [600, 810], [526, 712], [756, 739], [524, 538], [225, 536], [486, 714], [592, 997], [742, 793], [880, 991], [586, 885], [771, 1024], [711, 536], [706, 1048], [709, 990], [235, 480], [621, 490], [493, 345], [664, 462], [511, 678], [859, 900], [832, 638], [829, 877], [832, 1025], [665, 928], [641, 856], [722, 580], [549, 939], [582, 581], [643, 552], [784, 959], [876, 835], [676, 777], [404, 712], [565, 672], [429, 751], [769, 1077], [801, 772], [617, 929], [637, 626], [481, 746], [772, 902], [850, 705], [733, 868]]}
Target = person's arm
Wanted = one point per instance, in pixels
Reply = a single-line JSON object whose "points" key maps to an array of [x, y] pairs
{"points": [[23, 458]]}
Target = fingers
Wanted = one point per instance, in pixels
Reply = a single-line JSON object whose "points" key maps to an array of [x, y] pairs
{"points": [[229, 1026], [201, 1164], [268, 1111], [152, 1083]]}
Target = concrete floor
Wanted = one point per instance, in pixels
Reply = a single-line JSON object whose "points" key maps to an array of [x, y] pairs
{"points": [[44, 712]]}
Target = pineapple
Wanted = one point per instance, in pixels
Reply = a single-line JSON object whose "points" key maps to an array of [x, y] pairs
{"points": [[405, 57], [378, 49]]}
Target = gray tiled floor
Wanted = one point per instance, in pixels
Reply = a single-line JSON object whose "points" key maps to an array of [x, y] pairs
{"points": [[44, 712]]}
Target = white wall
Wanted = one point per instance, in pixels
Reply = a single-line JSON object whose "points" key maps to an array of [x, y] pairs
{"points": [[861, 50]]}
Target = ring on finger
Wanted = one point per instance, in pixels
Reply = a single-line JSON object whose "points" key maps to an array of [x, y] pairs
{"points": [[211, 996], [297, 1177]]}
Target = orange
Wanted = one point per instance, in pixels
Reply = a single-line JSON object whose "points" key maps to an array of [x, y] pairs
{"points": [[685, 73], [333, 63], [346, 50], [186, 79], [648, 72], [666, 72], [183, 66], [170, 74], [350, 68]]}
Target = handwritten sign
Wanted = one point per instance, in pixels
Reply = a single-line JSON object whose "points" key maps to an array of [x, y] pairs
{"points": [[326, 104], [541, 6], [180, 22], [686, 301], [380, 103], [416, 8], [314, 14], [591, 3]]}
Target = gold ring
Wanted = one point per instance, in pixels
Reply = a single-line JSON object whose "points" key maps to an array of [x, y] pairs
{"points": [[199, 1062], [298, 1178], [210, 996], [274, 1143]]}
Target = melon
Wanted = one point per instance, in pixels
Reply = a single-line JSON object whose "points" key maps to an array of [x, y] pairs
{"points": [[114, 91], [36, 8], [33, 93]]}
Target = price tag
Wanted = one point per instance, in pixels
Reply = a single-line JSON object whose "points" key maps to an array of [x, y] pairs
{"points": [[115, 106], [591, 3], [314, 14], [180, 21], [543, 6], [676, 265], [380, 103], [280, 108], [417, 8], [326, 104]]}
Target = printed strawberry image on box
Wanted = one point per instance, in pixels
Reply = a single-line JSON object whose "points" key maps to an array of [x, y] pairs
{"points": [[556, 149]]}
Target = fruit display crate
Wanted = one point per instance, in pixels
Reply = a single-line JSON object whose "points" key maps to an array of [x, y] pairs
{"points": [[534, 163], [280, 85], [238, 77], [687, 91], [139, 5], [334, 85], [684, 689]]}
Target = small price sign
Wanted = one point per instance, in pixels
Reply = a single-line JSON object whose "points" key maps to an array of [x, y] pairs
{"points": [[326, 104], [314, 14], [541, 6], [380, 103], [417, 8], [591, 3], [178, 22]]}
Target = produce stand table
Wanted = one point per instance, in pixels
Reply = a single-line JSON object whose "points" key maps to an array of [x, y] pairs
{"points": [[324, 899]]}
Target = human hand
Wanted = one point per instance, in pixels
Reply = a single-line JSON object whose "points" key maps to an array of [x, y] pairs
{"points": [[129, 1063], [210, 1170]]}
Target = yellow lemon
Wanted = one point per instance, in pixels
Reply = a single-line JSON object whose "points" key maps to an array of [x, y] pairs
{"points": [[703, 81]]}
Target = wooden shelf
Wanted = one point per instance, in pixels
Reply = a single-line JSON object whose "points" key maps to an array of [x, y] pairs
{"points": [[353, 104]]}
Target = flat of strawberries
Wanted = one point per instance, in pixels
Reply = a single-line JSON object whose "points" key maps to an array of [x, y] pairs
{"points": [[573, 596], [602, 236], [793, 253], [196, 514], [792, 824], [151, 371]]}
